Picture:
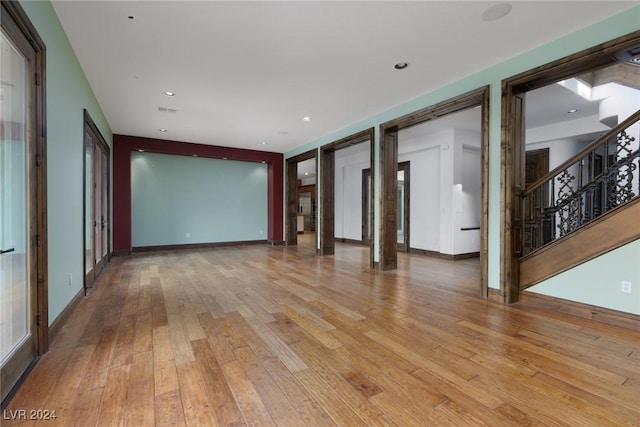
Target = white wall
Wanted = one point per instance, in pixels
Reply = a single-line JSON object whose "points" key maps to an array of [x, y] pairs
{"points": [[444, 188], [466, 191], [349, 163]]}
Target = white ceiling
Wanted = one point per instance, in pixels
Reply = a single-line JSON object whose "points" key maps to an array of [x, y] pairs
{"points": [[245, 73]]}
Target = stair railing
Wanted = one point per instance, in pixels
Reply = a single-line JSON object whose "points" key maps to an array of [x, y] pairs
{"points": [[597, 179]]}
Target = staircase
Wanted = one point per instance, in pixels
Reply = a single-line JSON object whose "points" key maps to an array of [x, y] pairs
{"points": [[585, 207]]}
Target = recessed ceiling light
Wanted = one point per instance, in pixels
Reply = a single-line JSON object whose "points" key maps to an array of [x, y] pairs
{"points": [[224, 158], [169, 93], [306, 173], [306, 119], [162, 130], [141, 150], [194, 155], [401, 65], [264, 143], [263, 162], [497, 11], [573, 110]]}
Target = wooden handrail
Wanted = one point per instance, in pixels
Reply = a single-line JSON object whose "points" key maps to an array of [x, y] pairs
{"points": [[622, 126]]}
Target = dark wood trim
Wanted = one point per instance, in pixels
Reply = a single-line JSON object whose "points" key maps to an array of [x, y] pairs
{"points": [[591, 59], [197, 245], [468, 255], [453, 105], [478, 97], [388, 199], [350, 241], [530, 300], [512, 145], [327, 188], [120, 253], [311, 188], [609, 231], [291, 227], [512, 184], [60, 321], [440, 255], [372, 199], [367, 216], [327, 202], [484, 191], [291, 185]]}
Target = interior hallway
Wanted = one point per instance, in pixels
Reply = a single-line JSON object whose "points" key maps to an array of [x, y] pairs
{"points": [[261, 335]]}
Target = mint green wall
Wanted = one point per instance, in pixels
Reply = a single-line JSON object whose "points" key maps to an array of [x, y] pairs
{"points": [[599, 281], [211, 200], [68, 93], [603, 31]]}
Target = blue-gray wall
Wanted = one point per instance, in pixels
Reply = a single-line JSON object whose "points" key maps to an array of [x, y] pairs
{"points": [[182, 200]]}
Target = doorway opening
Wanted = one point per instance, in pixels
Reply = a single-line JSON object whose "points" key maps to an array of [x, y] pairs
{"points": [[567, 107], [301, 200], [453, 196], [347, 198], [96, 207]]}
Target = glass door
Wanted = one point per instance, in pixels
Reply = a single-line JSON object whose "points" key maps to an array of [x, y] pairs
{"points": [[96, 202], [17, 333], [88, 209]]}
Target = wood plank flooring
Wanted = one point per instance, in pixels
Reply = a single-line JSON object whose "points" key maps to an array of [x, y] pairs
{"points": [[264, 336]]}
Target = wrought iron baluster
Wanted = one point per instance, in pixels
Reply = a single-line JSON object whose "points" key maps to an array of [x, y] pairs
{"points": [[585, 187]]}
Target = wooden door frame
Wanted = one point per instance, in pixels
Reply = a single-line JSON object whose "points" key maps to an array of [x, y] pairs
{"points": [[100, 142], [367, 207], [17, 25], [327, 187], [388, 171], [512, 145], [291, 185], [406, 218]]}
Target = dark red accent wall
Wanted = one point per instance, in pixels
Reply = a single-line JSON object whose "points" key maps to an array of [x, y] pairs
{"points": [[122, 147]]}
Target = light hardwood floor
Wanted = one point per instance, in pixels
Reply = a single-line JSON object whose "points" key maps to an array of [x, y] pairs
{"points": [[265, 336]]}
